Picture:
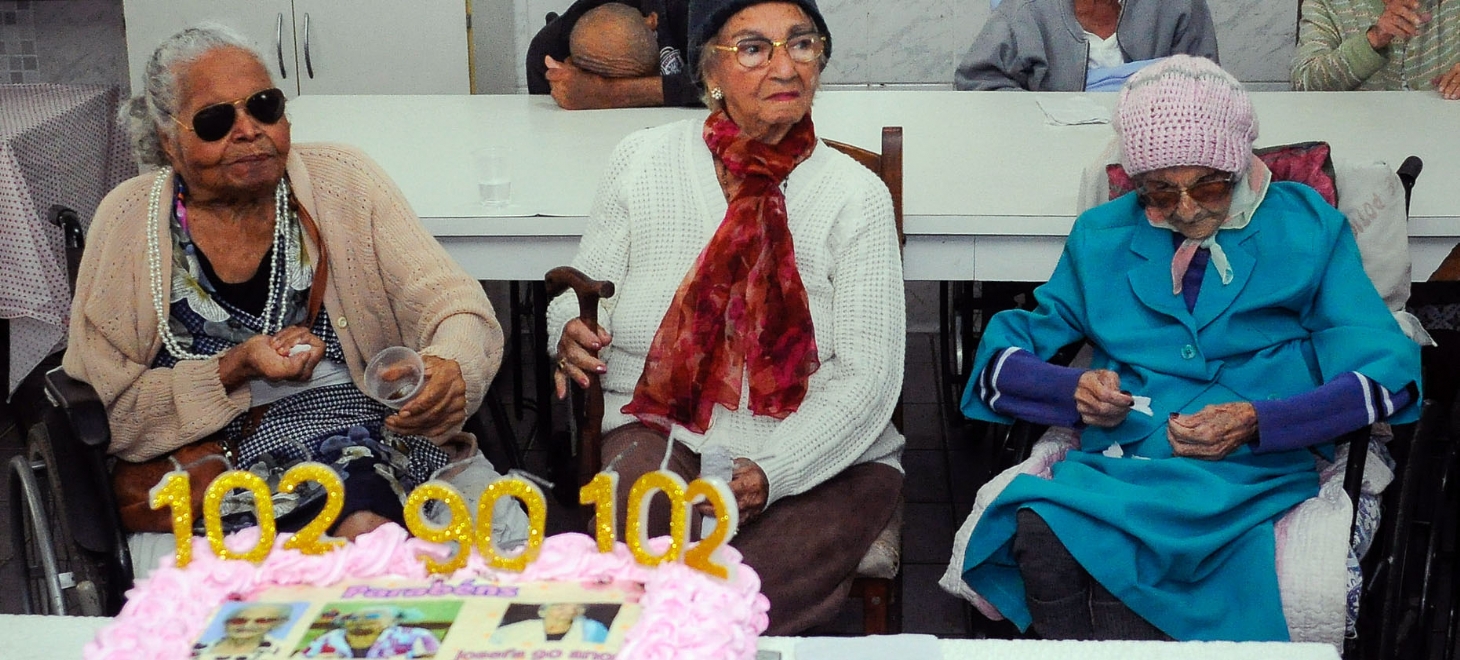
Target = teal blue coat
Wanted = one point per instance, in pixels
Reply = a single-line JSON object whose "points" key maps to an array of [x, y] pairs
{"points": [[1187, 543]]}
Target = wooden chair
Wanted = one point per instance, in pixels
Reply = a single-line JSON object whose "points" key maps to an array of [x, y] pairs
{"points": [[879, 576]]}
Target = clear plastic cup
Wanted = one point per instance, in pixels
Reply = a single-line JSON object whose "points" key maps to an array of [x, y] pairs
{"points": [[407, 373], [494, 184]]}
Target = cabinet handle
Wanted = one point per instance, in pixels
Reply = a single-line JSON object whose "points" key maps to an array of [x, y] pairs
{"points": [[308, 64], [279, 45]]}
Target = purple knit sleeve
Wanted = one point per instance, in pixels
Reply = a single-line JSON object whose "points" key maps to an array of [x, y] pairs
{"points": [[1020, 385], [1350, 401]]}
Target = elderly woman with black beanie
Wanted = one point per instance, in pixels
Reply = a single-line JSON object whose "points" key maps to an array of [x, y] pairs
{"points": [[759, 321]]}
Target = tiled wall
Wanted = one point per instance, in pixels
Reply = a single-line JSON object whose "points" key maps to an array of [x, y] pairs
{"points": [[17, 42], [63, 41], [919, 42]]}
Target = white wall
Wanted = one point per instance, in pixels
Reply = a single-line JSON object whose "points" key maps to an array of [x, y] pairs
{"points": [[919, 42]]}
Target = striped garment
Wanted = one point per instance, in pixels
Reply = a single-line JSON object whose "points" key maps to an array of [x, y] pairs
{"points": [[1334, 54], [1018, 384]]}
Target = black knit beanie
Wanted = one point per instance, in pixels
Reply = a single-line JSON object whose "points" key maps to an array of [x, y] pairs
{"points": [[706, 17]]}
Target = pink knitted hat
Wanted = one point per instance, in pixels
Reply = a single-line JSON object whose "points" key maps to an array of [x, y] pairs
{"points": [[1184, 110]]}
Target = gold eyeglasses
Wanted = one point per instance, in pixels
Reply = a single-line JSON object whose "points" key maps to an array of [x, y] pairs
{"points": [[756, 52]]}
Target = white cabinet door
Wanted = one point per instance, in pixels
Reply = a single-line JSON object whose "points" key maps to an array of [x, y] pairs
{"points": [[382, 46], [268, 24]]}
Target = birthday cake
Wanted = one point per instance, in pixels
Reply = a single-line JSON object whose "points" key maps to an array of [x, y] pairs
{"points": [[374, 598]]}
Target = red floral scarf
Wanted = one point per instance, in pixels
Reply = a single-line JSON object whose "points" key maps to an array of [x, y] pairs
{"points": [[742, 308]]}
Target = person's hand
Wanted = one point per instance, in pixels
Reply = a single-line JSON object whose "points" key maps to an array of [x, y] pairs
{"points": [[1401, 20], [572, 87], [287, 342], [1099, 400], [1213, 432], [574, 359], [272, 358], [1448, 84], [439, 407], [750, 487]]}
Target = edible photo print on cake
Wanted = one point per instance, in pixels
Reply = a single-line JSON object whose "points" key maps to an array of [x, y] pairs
{"points": [[249, 631], [462, 619], [379, 629], [561, 622]]}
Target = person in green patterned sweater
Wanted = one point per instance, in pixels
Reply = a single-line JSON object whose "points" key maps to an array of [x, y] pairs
{"points": [[1379, 45]]}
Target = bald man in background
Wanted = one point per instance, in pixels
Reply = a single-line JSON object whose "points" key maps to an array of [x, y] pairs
{"points": [[614, 41], [597, 55]]}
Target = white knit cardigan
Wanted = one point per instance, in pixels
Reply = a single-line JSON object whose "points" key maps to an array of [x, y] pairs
{"points": [[656, 209]]}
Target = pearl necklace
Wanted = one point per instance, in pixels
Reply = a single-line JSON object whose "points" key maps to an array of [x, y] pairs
{"points": [[273, 314]]}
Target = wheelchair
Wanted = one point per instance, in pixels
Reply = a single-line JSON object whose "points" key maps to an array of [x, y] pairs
{"points": [[1407, 600], [66, 532]]}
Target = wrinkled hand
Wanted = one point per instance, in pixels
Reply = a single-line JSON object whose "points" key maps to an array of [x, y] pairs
{"points": [[1448, 84], [440, 406], [1213, 432], [272, 357], [572, 87], [750, 487], [574, 359], [1401, 20], [1099, 400]]}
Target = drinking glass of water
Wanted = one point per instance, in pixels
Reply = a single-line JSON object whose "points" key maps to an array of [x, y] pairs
{"points": [[493, 183]]}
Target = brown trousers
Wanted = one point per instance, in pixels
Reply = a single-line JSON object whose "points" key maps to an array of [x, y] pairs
{"points": [[804, 547]]}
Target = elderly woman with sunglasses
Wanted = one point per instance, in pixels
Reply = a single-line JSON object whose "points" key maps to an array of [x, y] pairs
{"points": [[758, 329], [1235, 335], [238, 292]]}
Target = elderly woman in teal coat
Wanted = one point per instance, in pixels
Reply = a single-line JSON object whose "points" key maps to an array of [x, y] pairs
{"points": [[1235, 335]]}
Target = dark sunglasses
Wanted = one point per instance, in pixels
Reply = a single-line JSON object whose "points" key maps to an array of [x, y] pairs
{"points": [[1205, 193], [215, 121]]}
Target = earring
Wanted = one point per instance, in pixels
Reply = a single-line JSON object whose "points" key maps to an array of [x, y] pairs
{"points": [[717, 94]]}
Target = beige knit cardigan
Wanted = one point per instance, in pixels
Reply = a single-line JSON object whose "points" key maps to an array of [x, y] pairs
{"points": [[389, 283]]}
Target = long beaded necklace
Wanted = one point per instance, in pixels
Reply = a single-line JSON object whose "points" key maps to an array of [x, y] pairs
{"points": [[273, 314]]}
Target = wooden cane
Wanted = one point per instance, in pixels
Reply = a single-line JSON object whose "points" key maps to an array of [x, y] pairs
{"points": [[589, 292]]}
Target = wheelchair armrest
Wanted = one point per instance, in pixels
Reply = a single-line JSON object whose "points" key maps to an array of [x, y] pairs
{"points": [[82, 407], [1353, 476], [1408, 171]]}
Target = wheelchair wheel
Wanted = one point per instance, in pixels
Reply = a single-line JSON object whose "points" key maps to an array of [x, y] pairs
{"points": [[956, 336], [59, 577]]}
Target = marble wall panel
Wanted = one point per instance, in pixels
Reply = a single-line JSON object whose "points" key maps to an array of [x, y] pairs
{"points": [[77, 41], [1256, 38], [919, 42], [910, 42]]}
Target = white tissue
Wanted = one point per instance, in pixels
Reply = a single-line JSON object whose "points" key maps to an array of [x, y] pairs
{"points": [[1142, 405], [299, 348]]}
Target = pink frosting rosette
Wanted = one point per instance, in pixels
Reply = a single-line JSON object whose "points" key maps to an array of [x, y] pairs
{"points": [[686, 613]]}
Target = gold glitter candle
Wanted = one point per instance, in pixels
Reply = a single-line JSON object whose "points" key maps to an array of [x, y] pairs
{"points": [[531, 497], [601, 493], [673, 487], [727, 520], [263, 507], [457, 528], [174, 492], [311, 539]]}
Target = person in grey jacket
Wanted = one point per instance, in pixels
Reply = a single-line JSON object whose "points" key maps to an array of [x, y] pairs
{"points": [[1046, 45]]}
